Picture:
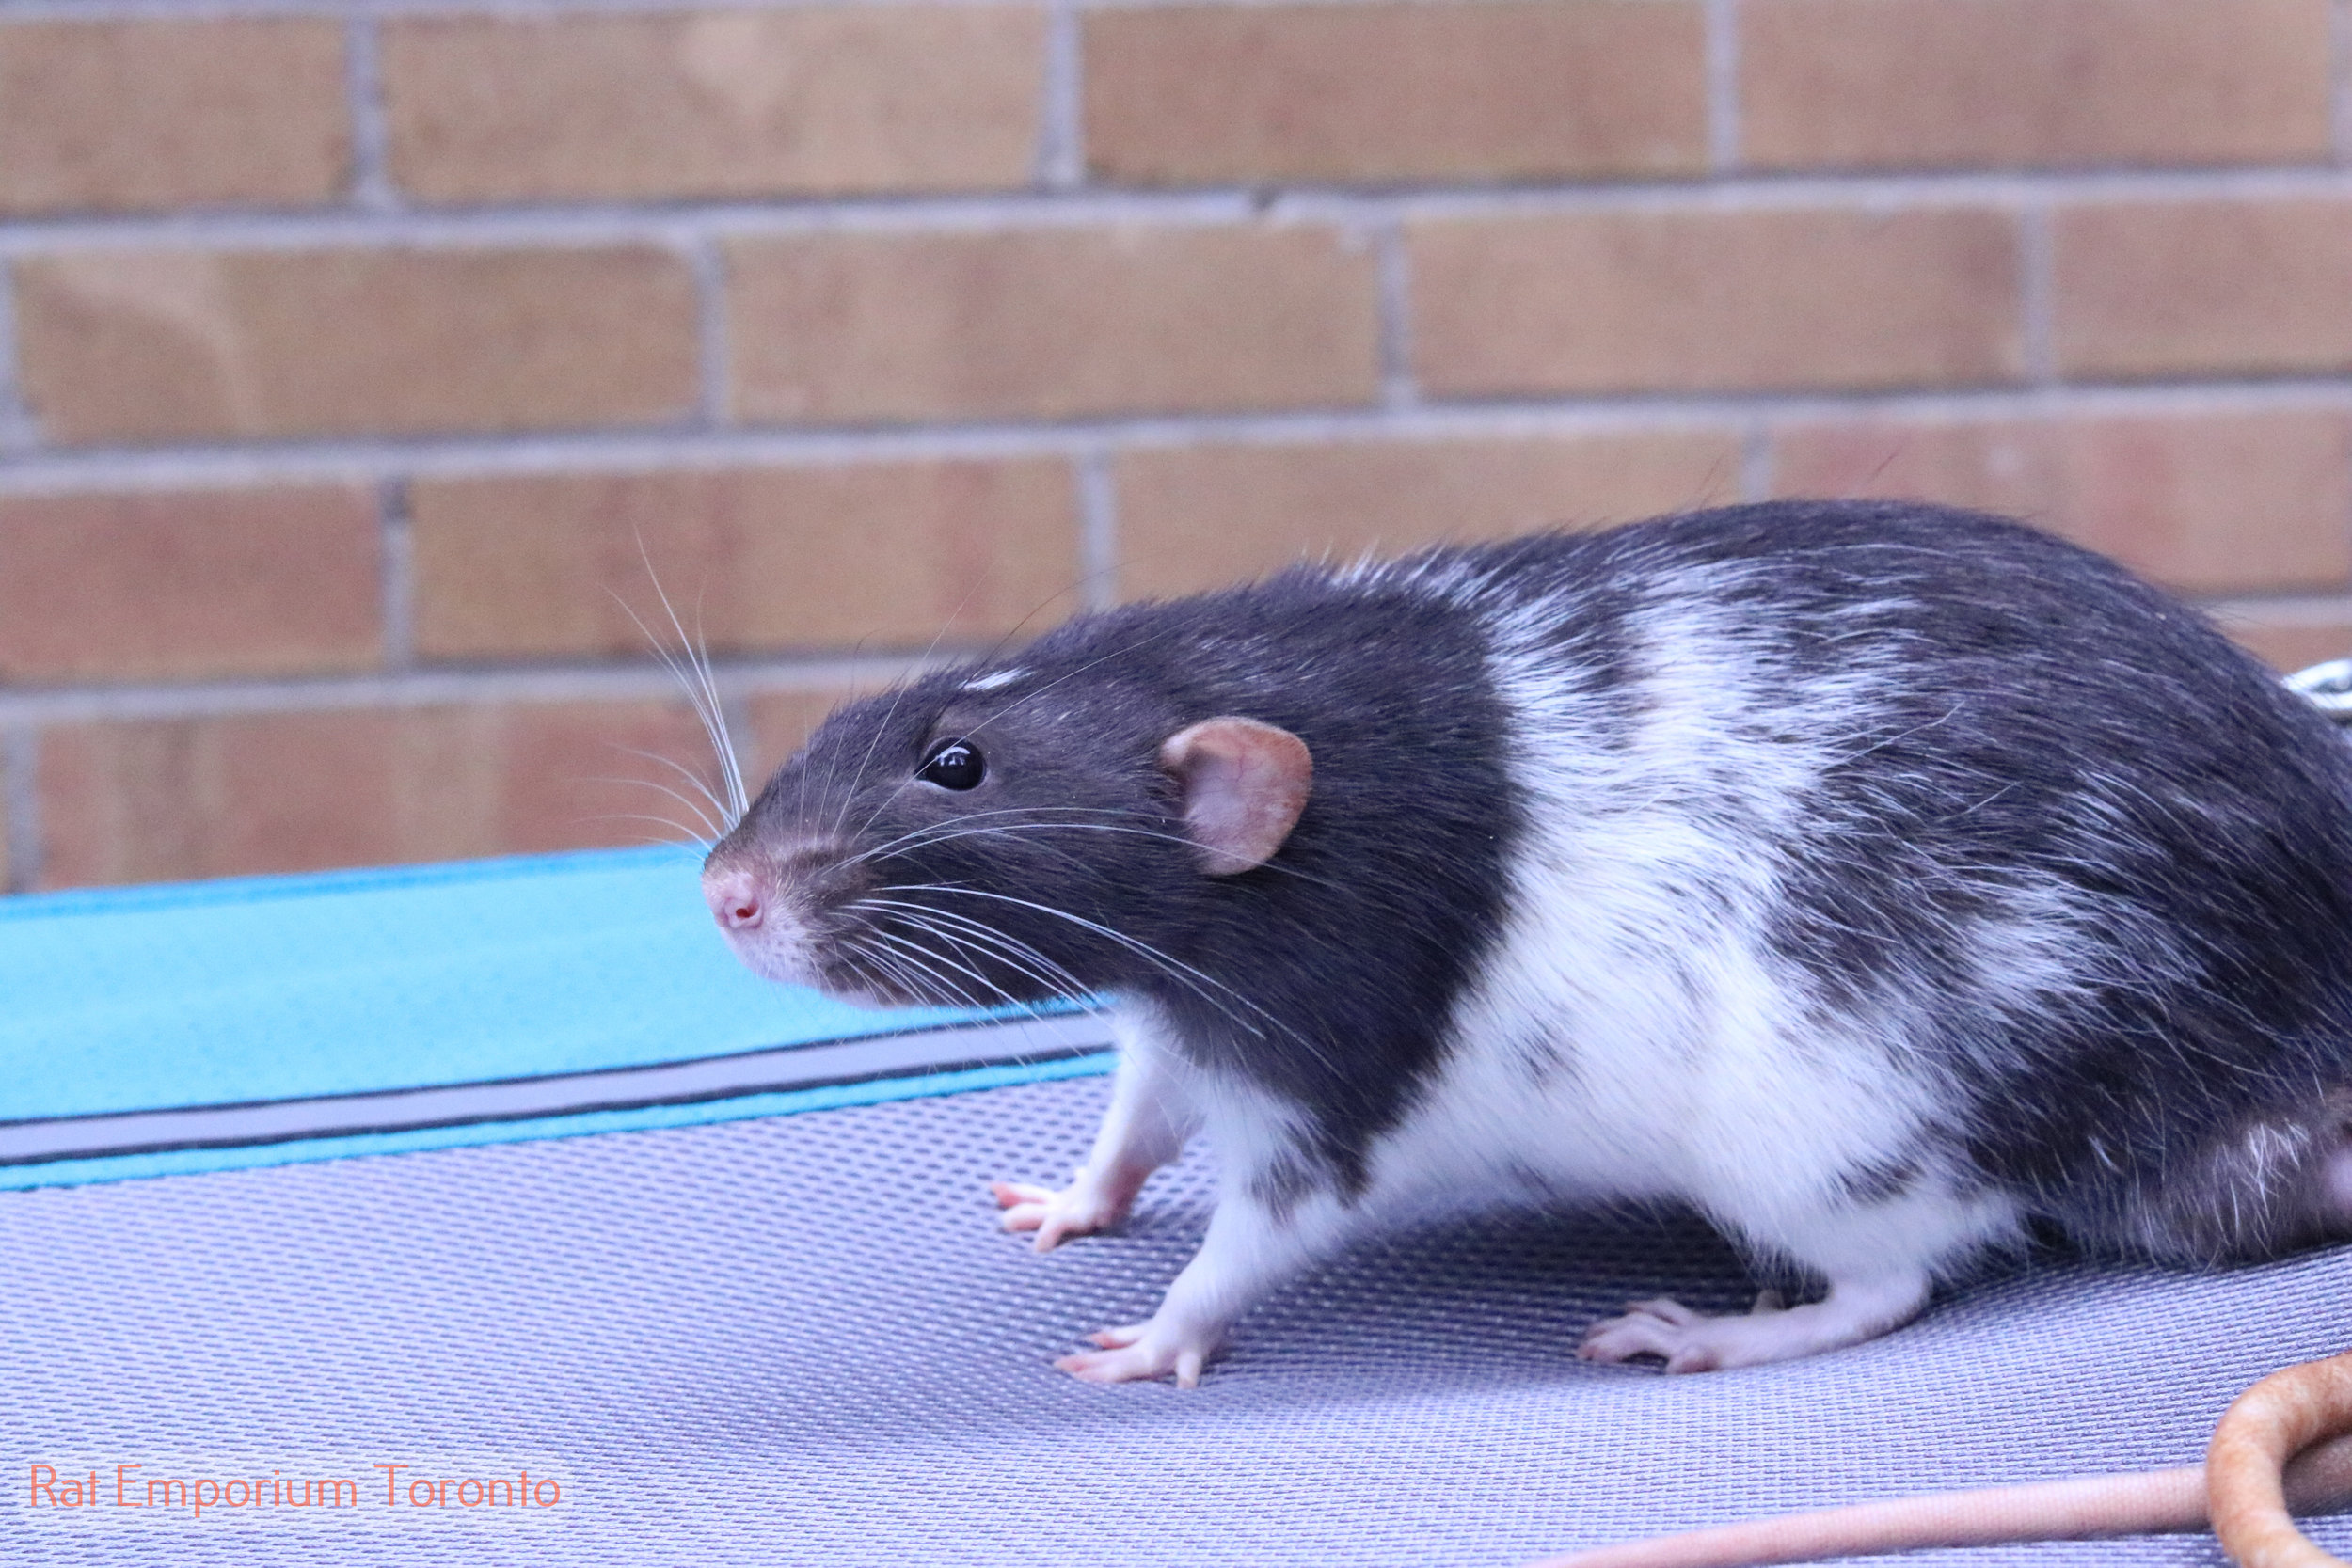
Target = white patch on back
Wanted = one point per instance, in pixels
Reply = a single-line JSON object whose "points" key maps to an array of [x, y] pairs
{"points": [[1635, 1034]]}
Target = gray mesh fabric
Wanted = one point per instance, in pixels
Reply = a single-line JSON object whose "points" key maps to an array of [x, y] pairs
{"points": [[801, 1341]]}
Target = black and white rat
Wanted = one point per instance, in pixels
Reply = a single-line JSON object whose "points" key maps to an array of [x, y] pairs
{"points": [[1881, 880]]}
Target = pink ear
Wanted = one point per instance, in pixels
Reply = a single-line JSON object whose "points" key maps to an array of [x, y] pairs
{"points": [[1245, 784]]}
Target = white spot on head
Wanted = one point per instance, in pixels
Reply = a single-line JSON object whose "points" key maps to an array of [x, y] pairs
{"points": [[996, 682]]}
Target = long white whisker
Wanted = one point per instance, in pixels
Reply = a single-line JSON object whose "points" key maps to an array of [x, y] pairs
{"points": [[937, 958], [702, 689], [912, 964], [1012, 951], [692, 836], [1174, 966], [888, 969], [917, 833], [698, 649], [701, 786], [682, 800], [1014, 830]]}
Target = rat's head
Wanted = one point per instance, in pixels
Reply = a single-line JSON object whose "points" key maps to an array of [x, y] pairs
{"points": [[998, 834]]}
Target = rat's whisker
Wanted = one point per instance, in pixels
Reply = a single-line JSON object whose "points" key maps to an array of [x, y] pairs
{"points": [[912, 964], [713, 828], [693, 670], [1010, 999], [701, 786], [1175, 968], [969, 934], [692, 838]]}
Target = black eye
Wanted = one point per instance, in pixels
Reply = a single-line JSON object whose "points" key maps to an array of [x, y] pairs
{"points": [[953, 765]]}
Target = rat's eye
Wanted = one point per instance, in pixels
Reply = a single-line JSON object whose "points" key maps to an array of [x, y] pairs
{"points": [[953, 765]]}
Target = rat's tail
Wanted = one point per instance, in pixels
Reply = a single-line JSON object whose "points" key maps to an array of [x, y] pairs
{"points": [[2050, 1509], [2257, 1466], [2262, 1458]]}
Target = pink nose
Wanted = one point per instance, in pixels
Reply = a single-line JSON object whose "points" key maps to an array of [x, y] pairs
{"points": [[734, 901]]}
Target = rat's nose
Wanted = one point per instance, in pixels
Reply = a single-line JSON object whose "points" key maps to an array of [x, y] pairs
{"points": [[734, 901]]}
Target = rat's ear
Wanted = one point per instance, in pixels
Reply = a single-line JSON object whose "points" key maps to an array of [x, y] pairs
{"points": [[1245, 784]]}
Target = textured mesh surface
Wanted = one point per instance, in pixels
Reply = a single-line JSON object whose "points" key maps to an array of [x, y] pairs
{"points": [[801, 1341]]}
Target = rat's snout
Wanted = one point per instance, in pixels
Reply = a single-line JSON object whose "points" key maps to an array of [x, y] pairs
{"points": [[735, 898], [781, 909]]}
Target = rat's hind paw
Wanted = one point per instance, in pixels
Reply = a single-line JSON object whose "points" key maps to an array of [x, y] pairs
{"points": [[1134, 1353], [1686, 1340], [1689, 1342]]}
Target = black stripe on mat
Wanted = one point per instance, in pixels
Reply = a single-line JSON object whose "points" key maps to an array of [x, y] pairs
{"points": [[40, 1140]]}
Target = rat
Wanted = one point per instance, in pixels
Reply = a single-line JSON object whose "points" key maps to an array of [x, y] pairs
{"points": [[1885, 882]]}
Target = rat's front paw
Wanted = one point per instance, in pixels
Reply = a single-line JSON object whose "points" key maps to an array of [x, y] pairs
{"points": [[1139, 1353], [1080, 1208]]}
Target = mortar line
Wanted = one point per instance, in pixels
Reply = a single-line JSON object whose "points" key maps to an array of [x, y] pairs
{"points": [[19, 806], [623, 451], [2037, 294], [1098, 528], [18, 431], [135, 10], [634, 681], [652, 223], [1399, 390], [1061, 109], [398, 550], [2340, 80], [1723, 86], [709, 264], [363, 84], [1756, 462]]}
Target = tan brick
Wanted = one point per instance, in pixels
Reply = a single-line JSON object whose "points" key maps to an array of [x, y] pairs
{"points": [[1197, 517], [2291, 636], [825, 99], [151, 115], [172, 586], [2205, 504], [1695, 301], [151, 345], [1049, 323], [1509, 89], [169, 798], [2147, 289], [872, 555], [1942, 83]]}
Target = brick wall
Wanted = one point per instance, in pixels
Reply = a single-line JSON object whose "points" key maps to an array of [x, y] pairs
{"points": [[358, 360]]}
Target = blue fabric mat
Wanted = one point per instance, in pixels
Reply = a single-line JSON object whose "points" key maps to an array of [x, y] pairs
{"points": [[354, 984]]}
